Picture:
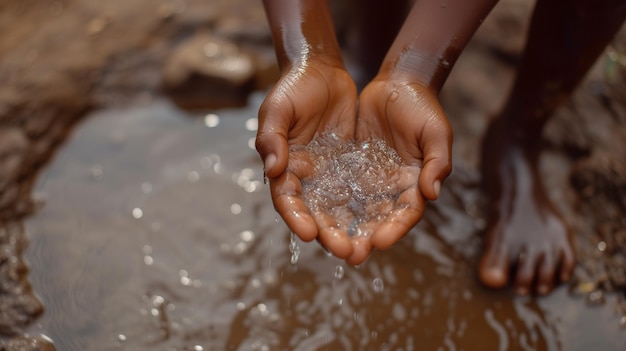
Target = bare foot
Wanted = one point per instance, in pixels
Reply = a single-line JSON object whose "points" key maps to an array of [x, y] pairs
{"points": [[527, 241]]}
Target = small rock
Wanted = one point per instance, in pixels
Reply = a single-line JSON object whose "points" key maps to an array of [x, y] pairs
{"points": [[24, 343], [206, 71]]}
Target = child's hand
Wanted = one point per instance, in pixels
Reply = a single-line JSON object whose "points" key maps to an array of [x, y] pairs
{"points": [[309, 98], [410, 119]]}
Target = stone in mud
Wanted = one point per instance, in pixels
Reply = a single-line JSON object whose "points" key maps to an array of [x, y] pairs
{"points": [[18, 304], [355, 182], [207, 71], [24, 343]]}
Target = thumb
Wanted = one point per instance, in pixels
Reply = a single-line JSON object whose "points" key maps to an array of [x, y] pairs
{"points": [[437, 164], [271, 141]]}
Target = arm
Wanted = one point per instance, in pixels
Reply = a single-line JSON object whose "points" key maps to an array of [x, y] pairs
{"points": [[432, 38], [302, 31]]}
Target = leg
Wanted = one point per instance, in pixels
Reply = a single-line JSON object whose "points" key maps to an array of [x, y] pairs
{"points": [[525, 231]]}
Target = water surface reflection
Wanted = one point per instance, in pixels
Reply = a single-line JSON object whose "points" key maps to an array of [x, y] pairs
{"points": [[158, 233]]}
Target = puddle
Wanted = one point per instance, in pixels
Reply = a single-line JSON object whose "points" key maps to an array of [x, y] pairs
{"points": [[159, 233]]}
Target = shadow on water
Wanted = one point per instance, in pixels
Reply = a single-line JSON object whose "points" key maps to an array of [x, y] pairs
{"points": [[159, 233]]}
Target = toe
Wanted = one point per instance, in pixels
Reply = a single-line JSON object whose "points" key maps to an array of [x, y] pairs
{"points": [[547, 269], [525, 273], [494, 268], [567, 263]]}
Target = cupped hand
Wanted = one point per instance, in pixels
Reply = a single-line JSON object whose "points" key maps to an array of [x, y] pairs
{"points": [[410, 119], [309, 98]]}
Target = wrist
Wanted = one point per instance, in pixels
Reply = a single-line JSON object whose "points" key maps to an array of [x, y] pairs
{"points": [[311, 58], [413, 67]]}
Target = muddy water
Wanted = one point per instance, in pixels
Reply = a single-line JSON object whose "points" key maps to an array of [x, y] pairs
{"points": [[158, 233]]}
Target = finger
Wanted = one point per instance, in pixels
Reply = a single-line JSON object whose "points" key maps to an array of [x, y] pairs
{"points": [[286, 193], [437, 161], [408, 211], [362, 246], [271, 140], [331, 236]]}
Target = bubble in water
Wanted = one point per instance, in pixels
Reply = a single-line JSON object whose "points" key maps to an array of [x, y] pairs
{"points": [[211, 120], [378, 285], [355, 183], [339, 272], [137, 213]]}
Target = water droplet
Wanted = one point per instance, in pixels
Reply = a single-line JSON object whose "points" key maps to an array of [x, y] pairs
{"points": [[198, 348], [252, 124], [235, 209], [294, 249], [137, 213], [121, 337], [148, 260], [158, 300], [241, 306], [394, 96], [622, 322], [247, 235], [211, 120], [252, 143], [378, 285], [339, 272], [601, 246]]}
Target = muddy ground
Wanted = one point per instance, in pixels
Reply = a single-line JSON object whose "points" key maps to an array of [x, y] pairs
{"points": [[59, 60]]}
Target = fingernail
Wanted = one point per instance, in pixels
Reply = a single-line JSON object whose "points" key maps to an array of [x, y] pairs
{"points": [[269, 162], [437, 187]]}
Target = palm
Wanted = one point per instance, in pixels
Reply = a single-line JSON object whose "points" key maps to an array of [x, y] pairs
{"points": [[410, 119]]}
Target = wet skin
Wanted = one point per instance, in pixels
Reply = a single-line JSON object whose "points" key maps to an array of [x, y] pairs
{"points": [[527, 241], [525, 235], [399, 105], [524, 232]]}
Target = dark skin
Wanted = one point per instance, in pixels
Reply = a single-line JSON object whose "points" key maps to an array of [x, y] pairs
{"points": [[400, 105]]}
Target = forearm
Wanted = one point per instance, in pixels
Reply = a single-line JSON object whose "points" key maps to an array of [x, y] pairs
{"points": [[303, 32], [432, 38]]}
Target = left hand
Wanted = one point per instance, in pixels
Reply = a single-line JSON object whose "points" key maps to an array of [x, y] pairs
{"points": [[410, 119]]}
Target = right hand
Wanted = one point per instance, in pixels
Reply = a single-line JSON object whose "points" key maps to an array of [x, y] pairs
{"points": [[309, 98]]}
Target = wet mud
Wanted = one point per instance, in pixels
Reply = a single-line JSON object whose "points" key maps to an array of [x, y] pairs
{"points": [[159, 232], [146, 227]]}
